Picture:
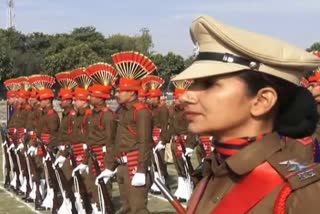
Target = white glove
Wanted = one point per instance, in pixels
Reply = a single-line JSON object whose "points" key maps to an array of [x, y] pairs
{"points": [[47, 157], [188, 152], [106, 175], [10, 147], [59, 161], [20, 147], [160, 146], [139, 179], [81, 168], [4, 143], [32, 150]]}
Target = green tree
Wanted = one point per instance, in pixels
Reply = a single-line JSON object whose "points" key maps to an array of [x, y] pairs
{"points": [[314, 47]]}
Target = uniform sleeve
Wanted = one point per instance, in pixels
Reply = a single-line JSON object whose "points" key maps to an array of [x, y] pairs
{"points": [[164, 118], [144, 130], [109, 123], [53, 123], [30, 121]]}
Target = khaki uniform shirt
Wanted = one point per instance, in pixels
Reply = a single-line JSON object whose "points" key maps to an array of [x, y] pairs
{"points": [[66, 128], [179, 126], [101, 130], [141, 141], [225, 176], [49, 124], [161, 120]]}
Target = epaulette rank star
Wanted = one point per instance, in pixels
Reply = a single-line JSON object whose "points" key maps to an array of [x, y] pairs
{"points": [[301, 170]]}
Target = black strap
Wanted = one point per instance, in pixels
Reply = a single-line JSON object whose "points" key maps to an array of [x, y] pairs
{"points": [[228, 58]]}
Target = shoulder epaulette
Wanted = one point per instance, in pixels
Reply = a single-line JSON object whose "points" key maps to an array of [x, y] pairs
{"points": [[306, 140], [296, 173], [139, 106]]}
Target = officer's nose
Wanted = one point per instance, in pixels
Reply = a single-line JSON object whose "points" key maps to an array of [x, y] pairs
{"points": [[189, 97]]}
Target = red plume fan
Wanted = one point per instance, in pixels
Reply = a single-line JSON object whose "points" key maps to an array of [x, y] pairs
{"points": [[102, 73], [181, 84], [65, 80], [133, 65], [81, 77], [152, 82], [41, 81], [12, 84], [24, 83]]}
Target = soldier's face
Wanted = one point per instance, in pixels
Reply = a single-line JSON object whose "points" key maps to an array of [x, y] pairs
{"points": [[66, 103], [79, 104], [142, 99], [124, 96], [21, 100], [33, 101], [217, 105], [154, 101], [44, 103], [10, 101]]}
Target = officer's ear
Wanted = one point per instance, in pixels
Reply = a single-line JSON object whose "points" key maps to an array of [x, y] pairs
{"points": [[134, 93], [263, 102]]}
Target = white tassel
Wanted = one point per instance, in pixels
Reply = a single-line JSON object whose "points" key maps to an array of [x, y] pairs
{"points": [[48, 201], [32, 194], [65, 207], [23, 187], [154, 187], [95, 209], [14, 180]]}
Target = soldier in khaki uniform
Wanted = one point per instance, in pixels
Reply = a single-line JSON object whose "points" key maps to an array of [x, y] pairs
{"points": [[23, 115], [246, 95], [14, 86], [66, 128], [47, 131], [181, 138], [77, 138], [160, 134], [133, 138], [35, 160], [11, 100], [101, 128]]}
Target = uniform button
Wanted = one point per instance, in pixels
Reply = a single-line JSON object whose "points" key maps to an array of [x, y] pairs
{"points": [[217, 199]]}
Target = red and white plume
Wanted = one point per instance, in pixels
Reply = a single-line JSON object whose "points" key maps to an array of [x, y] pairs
{"points": [[81, 77], [102, 73], [181, 84], [24, 83], [133, 65], [152, 82], [65, 80], [41, 81], [12, 85]]}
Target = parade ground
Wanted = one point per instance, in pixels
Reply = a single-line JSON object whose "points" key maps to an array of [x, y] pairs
{"points": [[12, 204]]}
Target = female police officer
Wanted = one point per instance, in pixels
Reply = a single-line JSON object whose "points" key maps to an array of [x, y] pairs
{"points": [[245, 94]]}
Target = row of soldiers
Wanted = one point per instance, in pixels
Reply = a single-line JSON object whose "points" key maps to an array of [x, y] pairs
{"points": [[67, 163]]}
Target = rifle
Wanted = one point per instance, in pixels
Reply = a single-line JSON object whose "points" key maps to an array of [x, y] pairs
{"points": [[15, 182], [80, 186], [174, 202], [7, 167], [106, 197], [194, 175], [188, 161], [61, 179]]}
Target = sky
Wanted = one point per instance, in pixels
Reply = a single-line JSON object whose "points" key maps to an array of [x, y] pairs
{"points": [[294, 21]]}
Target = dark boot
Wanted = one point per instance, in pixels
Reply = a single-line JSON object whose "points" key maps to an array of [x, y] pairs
{"points": [[38, 200], [56, 204]]}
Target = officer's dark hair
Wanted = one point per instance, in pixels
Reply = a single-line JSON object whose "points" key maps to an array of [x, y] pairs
{"points": [[296, 113]]}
